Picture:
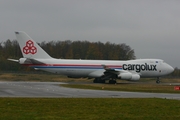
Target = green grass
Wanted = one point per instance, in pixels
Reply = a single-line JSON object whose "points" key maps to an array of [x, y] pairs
{"points": [[135, 87], [88, 109]]}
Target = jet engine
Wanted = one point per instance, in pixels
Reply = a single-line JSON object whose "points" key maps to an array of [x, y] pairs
{"points": [[135, 77], [128, 76]]}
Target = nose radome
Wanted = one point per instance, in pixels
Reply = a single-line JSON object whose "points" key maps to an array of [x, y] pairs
{"points": [[170, 69]]}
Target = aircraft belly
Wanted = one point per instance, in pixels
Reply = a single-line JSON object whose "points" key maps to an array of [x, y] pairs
{"points": [[149, 74], [69, 72]]}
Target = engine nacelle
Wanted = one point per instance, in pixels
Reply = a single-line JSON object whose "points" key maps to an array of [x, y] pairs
{"points": [[125, 76], [135, 77], [129, 76]]}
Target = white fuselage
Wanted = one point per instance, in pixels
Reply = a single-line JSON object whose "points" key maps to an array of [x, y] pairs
{"points": [[94, 68]]}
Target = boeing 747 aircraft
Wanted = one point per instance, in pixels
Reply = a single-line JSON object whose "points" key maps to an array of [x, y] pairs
{"points": [[101, 70]]}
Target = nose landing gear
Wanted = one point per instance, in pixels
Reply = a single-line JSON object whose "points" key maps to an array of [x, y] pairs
{"points": [[158, 80]]}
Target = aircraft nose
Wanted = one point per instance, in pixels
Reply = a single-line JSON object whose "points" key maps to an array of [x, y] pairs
{"points": [[170, 69]]}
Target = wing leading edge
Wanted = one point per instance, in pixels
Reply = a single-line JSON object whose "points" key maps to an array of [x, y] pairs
{"points": [[119, 74]]}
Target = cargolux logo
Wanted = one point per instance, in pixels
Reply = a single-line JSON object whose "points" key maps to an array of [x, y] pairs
{"points": [[139, 68], [29, 48]]}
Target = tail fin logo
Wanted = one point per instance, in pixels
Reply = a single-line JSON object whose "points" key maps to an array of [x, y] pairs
{"points": [[29, 48]]}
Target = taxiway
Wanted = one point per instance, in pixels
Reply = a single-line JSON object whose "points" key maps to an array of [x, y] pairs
{"points": [[54, 90]]}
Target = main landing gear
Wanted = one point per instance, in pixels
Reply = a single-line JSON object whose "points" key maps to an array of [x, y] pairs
{"points": [[158, 80], [112, 81], [99, 80]]}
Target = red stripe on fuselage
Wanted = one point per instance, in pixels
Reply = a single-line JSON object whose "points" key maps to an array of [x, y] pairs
{"points": [[81, 65]]}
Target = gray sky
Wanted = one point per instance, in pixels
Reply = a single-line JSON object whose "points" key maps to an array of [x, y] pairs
{"points": [[150, 27]]}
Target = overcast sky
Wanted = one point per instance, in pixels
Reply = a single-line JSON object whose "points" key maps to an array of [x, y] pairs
{"points": [[150, 27]]}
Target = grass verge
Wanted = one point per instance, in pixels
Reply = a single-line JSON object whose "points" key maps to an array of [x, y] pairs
{"points": [[143, 85], [135, 87], [88, 108]]}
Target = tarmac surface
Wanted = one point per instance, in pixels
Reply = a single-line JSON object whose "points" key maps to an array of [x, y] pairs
{"points": [[54, 90]]}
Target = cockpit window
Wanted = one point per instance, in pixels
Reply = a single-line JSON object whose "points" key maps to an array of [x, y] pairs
{"points": [[159, 61]]}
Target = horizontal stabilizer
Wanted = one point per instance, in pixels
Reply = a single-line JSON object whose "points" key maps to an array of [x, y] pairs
{"points": [[14, 60], [27, 61]]}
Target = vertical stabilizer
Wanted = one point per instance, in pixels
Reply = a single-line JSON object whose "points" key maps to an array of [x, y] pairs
{"points": [[29, 48]]}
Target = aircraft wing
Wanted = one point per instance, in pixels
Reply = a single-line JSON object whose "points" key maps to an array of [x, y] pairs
{"points": [[119, 73], [107, 72], [111, 70]]}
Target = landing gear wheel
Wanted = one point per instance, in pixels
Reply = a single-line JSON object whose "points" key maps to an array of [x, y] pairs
{"points": [[112, 81], [158, 80], [98, 80], [95, 80], [101, 81]]}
